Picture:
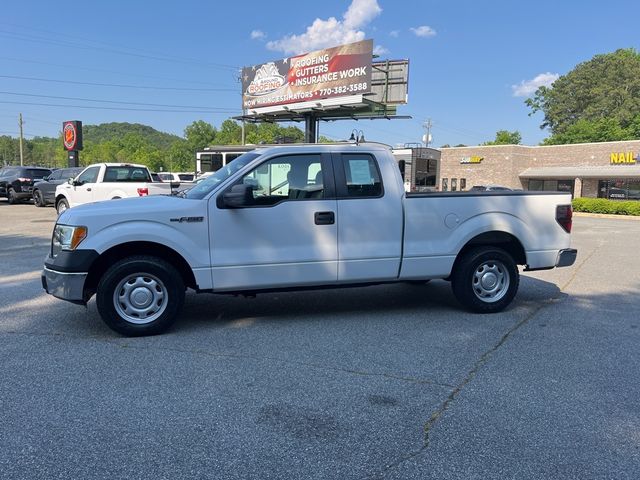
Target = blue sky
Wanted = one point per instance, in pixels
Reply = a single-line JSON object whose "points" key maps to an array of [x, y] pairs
{"points": [[469, 59]]}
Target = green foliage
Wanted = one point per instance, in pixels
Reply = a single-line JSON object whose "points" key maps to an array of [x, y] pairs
{"points": [[603, 205], [504, 137], [607, 87], [112, 131], [601, 130], [200, 134], [135, 143]]}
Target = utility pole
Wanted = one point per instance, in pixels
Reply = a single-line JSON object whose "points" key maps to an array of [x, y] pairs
{"points": [[427, 137], [21, 154], [242, 142]]}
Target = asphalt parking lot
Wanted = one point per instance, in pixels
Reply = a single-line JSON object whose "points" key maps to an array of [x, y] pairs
{"points": [[385, 382]]}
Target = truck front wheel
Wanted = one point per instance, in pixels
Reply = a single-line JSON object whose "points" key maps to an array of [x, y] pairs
{"points": [[62, 205], [485, 279], [140, 295]]}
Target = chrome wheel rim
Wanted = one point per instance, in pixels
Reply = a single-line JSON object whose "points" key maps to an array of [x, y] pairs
{"points": [[140, 298], [61, 207], [490, 281]]}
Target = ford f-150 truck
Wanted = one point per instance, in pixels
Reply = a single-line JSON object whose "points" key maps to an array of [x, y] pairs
{"points": [[107, 181], [300, 217]]}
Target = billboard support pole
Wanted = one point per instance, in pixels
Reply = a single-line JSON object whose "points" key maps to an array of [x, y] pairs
{"points": [[310, 128]]}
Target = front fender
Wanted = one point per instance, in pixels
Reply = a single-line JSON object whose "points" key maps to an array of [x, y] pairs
{"points": [[191, 240]]}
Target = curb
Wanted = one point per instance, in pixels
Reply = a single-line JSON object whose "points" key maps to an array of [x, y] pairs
{"points": [[606, 215]]}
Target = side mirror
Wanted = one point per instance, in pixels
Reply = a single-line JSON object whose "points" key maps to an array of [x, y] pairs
{"points": [[238, 196]]}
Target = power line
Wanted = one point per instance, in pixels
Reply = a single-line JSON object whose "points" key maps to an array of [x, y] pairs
{"points": [[117, 102], [75, 45], [120, 85], [93, 69], [95, 107]]}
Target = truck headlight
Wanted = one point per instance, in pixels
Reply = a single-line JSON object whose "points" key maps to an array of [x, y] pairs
{"points": [[66, 237]]}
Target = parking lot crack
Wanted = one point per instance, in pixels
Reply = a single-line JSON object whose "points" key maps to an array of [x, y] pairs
{"points": [[455, 392]]}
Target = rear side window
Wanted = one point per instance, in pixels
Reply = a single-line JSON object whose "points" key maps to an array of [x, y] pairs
{"points": [[185, 177], [37, 173], [361, 175], [70, 173], [126, 174]]}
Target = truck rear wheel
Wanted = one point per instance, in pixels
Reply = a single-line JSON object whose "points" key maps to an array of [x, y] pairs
{"points": [[140, 295], [38, 200], [485, 279]]}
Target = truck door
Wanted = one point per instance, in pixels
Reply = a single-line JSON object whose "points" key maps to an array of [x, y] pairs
{"points": [[370, 218], [286, 235], [83, 191]]}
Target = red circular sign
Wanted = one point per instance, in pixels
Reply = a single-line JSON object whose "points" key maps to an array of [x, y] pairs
{"points": [[70, 136]]}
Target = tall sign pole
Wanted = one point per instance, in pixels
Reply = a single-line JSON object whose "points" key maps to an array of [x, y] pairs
{"points": [[72, 141], [21, 153]]}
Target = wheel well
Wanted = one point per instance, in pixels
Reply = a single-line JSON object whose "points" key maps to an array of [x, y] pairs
{"points": [[124, 250], [503, 240], [58, 198]]}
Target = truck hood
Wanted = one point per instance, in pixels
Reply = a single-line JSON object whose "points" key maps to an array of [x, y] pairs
{"points": [[154, 208]]}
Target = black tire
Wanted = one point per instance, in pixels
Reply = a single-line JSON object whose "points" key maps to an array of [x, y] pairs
{"points": [[38, 200], [140, 295], [62, 205], [485, 279], [11, 196]]}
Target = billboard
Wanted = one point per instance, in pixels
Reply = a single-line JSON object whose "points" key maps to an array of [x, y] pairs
{"points": [[315, 76]]}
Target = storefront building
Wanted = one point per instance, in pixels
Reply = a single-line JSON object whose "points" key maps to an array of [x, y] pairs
{"points": [[598, 170]]}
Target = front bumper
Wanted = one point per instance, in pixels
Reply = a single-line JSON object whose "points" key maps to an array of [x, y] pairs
{"points": [[566, 257], [65, 285]]}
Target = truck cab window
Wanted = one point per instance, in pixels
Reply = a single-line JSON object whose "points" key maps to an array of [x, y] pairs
{"points": [[90, 175], [362, 176], [291, 177]]}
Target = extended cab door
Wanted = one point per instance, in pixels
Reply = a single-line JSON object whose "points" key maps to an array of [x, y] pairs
{"points": [[370, 217], [285, 234], [82, 190]]}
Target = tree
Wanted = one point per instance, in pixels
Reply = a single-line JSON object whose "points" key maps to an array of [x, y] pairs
{"points": [[504, 137], [605, 87], [182, 157], [200, 134], [601, 130], [231, 133]]}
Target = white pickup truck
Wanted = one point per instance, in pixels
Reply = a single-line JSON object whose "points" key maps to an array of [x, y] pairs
{"points": [[300, 217], [107, 181]]}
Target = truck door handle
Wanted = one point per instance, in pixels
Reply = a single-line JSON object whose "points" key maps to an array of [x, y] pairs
{"points": [[324, 218], [89, 189]]}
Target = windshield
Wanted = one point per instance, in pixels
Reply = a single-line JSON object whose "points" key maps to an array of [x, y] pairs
{"points": [[203, 188]]}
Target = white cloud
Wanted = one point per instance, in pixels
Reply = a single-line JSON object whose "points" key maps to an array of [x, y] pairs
{"points": [[257, 35], [380, 50], [527, 87], [330, 32], [423, 31], [394, 33]]}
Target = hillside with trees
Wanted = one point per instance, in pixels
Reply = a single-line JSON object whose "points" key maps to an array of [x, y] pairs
{"points": [[136, 143]]}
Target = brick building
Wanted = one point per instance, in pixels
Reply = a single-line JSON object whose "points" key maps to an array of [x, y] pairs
{"points": [[606, 170]]}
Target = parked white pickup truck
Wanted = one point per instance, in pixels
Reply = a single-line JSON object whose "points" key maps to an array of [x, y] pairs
{"points": [[107, 181], [300, 217]]}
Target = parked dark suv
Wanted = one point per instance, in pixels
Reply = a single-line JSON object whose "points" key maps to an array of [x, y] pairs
{"points": [[44, 191], [16, 183]]}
